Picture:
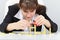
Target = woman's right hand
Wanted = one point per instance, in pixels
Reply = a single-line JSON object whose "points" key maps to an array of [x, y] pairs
{"points": [[22, 24]]}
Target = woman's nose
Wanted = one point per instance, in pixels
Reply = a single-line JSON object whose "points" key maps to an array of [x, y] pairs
{"points": [[29, 14]]}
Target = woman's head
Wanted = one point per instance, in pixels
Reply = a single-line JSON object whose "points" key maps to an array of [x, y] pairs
{"points": [[28, 4], [28, 8]]}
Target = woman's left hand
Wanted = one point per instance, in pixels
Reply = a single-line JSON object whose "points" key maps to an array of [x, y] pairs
{"points": [[40, 20]]}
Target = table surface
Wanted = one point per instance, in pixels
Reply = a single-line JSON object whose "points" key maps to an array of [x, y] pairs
{"points": [[55, 36]]}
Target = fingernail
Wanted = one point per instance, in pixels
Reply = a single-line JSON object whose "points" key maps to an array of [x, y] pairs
{"points": [[37, 25]]}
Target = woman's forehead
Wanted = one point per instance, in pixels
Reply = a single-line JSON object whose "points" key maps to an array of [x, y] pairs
{"points": [[28, 9]]}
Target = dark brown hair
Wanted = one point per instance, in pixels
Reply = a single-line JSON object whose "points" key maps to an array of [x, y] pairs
{"points": [[28, 4]]}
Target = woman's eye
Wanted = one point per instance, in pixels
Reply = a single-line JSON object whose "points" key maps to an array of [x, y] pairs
{"points": [[25, 11], [32, 11]]}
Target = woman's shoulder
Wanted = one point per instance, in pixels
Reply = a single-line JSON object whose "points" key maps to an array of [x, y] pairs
{"points": [[13, 9], [15, 6]]}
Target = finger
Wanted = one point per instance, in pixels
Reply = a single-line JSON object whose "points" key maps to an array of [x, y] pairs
{"points": [[24, 23], [39, 20], [38, 17], [21, 25], [40, 23]]}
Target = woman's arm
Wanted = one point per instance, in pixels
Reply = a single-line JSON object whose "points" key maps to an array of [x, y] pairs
{"points": [[9, 18], [41, 10]]}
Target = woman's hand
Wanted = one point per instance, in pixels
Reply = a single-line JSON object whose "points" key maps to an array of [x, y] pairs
{"points": [[40, 20], [22, 24]]}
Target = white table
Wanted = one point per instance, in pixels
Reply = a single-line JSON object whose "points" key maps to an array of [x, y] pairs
{"points": [[55, 36]]}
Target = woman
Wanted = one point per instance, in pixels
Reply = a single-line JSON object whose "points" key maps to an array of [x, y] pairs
{"points": [[29, 9]]}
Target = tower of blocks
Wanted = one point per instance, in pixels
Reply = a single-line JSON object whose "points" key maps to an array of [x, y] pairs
{"points": [[43, 32]]}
